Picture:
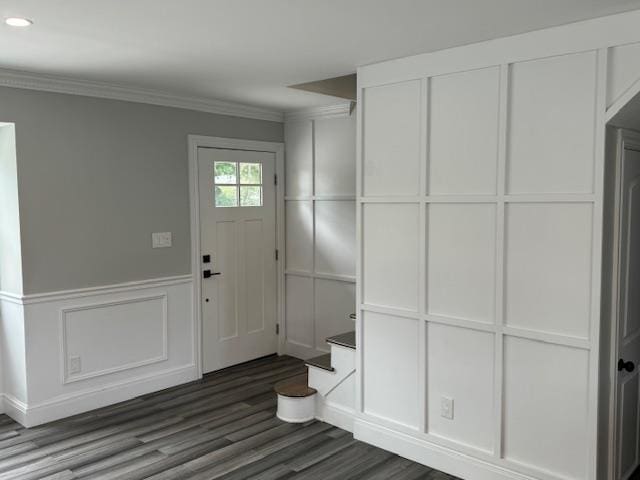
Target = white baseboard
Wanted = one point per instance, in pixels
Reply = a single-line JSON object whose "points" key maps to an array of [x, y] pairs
{"points": [[435, 456], [90, 399], [335, 415]]}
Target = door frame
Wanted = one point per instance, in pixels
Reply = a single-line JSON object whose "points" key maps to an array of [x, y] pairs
{"points": [[195, 142], [624, 139]]}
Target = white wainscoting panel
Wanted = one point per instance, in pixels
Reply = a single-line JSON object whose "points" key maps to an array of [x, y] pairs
{"points": [[463, 139], [299, 312], [548, 267], [460, 367], [551, 125], [392, 139], [332, 300], [134, 327], [488, 248], [335, 154], [13, 350], [131, 339], [321, 211], [335, 230], [543, 383], [299, 158], [299, 236], [390, 252], [391, 368], [461, 261]]}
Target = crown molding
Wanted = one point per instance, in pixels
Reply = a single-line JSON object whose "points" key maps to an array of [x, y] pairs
{"points": [[57, 84], [328, 111]]}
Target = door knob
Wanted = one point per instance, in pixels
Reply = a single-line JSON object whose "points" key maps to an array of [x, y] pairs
{"points": [[209, 273], [628, 366]]}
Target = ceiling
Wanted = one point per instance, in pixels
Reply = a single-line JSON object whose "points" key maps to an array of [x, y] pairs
{"points": [[248, 51]]}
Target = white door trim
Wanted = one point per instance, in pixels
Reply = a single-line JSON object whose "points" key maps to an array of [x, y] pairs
{"points": [[277, 148], [624, 139]]}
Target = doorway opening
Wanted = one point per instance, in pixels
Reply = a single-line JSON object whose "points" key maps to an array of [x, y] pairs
{"points": [[237, 236], [620, 359]]}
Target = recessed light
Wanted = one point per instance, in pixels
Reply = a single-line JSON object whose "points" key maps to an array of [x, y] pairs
{"points": [[18, 22]]}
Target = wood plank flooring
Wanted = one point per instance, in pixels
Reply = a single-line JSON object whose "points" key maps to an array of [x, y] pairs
{"points": [[223, 427]]}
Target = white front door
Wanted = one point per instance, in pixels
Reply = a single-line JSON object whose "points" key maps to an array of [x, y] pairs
{"points": [[628, 383], [238, 243]]}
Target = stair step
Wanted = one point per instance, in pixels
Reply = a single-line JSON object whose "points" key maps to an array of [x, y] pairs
{"points": [[295, 387], [344, 340], [323, 361]]}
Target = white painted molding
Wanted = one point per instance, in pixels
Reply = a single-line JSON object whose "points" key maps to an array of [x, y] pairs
{"points": [[427, 453], [90, 291], [89, 399], [64, 354], [58, 84], [328, 111]]}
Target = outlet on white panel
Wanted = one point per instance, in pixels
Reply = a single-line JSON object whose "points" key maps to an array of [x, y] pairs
{"points": [[446, 407], [161, 239], [75, 365]]}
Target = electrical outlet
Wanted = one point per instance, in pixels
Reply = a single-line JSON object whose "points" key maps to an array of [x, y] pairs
{"points": [[446, 407], [161, 239], [75, 366]]}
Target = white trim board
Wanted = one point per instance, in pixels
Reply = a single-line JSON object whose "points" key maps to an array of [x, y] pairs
{"points": [[89, 399], [277, 148], [435, 456], [91, 291], [58, 84], [328, 111]]}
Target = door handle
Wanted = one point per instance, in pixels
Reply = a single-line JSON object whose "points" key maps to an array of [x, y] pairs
{"points": [[628, 366], [209, 273]]}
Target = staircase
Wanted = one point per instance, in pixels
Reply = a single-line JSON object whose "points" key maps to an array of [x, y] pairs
{"points": [[333, 377], [327, 393]]}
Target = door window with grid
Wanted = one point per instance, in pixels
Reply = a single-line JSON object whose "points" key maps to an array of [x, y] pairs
{"points": [[238, 184]]}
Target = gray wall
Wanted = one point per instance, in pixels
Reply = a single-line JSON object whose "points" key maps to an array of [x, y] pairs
{"points": [[97, 177]]}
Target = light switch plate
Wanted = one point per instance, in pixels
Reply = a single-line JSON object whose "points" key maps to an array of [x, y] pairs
{"points": [[75, 365], [161, 239], [446, 408]]}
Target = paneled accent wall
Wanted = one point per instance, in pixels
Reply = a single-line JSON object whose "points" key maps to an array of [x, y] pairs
{"points": [[480, 224], [320, 225]]}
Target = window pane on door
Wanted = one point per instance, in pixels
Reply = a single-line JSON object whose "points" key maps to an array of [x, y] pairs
{"points": [[250, 196], [251, 173], [225, 172], [226, 196]]}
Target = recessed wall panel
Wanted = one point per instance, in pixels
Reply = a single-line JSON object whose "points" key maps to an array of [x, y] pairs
{"points": [[391, 255], [335, 237], [299, 155], [299, 235], [391, 368], [299, 310], [463, 138], [334, 302], [552, 125], [545, 407], [548, 267], [335, 144], [461, 246], [391, 126], [460, 367]]}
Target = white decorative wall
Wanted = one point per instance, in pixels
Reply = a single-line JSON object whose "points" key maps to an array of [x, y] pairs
{"points": [[480, 191], [68, 352], [320, 229]]}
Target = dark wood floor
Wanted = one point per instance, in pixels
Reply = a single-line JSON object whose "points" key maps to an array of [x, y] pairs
{"points": [[221, 427]]}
